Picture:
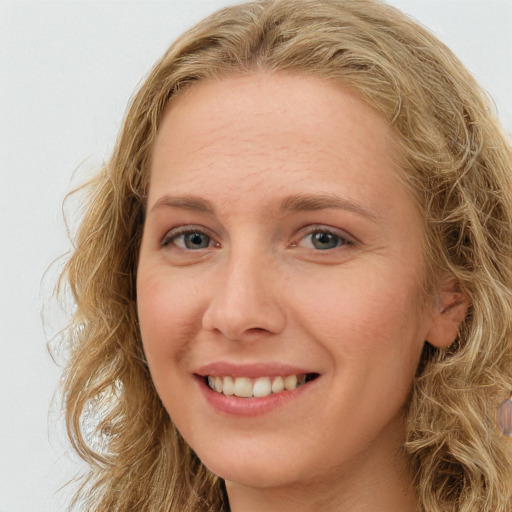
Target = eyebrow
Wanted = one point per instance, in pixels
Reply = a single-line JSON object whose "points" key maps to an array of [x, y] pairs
{"points": [[190, 203], [291, 204], [312, 202]]}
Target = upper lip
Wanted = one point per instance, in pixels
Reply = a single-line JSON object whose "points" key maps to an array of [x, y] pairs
{"points": [[271, 369]]}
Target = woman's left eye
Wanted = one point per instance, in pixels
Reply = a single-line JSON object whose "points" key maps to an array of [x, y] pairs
{"points": [[323, 240]]}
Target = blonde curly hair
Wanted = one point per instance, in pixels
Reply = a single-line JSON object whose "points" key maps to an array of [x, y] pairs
{"points": [[457, 164]]}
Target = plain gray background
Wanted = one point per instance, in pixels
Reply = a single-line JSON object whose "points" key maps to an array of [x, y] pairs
{"points": [[67, 71]]}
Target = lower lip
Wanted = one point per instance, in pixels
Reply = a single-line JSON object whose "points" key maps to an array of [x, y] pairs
{"points": [[247, 407]]}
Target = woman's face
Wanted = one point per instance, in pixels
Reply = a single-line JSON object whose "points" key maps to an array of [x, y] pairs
{"points": [[280, 246]]}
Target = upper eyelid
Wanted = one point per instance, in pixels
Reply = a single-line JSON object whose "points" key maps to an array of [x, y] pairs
{"points": [[319, 228]]}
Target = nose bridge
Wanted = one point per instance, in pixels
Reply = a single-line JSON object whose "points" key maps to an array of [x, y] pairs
{"points": [[245, 298]]}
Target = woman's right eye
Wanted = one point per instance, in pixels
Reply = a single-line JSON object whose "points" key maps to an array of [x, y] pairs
{"points": [[187, 240]]}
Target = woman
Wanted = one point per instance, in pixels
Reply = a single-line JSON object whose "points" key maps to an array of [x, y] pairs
{"points": [[293, 276]]}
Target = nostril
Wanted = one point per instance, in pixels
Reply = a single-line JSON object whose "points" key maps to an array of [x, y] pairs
{"points": [[257, 330]]}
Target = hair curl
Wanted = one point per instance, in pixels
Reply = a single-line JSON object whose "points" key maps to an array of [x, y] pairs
{"points": [[457, 164]]}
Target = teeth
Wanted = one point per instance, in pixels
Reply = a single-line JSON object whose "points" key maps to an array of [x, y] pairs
{"points": [[290, 382], [262, 386], [278, 385], [243, 387], [228, 387]]}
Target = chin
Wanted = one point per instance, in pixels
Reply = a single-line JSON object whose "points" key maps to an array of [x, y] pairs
{"points": [[262, 473]]}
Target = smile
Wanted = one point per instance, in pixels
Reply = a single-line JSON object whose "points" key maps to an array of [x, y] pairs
{"points": [[245, 387]]}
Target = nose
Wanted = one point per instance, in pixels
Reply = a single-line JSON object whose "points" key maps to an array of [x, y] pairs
{"points": [[247, 299]]}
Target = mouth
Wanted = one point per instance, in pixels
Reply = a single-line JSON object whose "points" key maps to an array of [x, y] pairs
{"points": [[246, 387]]}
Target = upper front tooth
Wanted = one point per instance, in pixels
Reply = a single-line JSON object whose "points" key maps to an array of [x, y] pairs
{"points": [[262, 387], [243, 387]]}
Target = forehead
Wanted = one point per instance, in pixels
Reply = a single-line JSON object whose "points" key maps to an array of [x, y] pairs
{"points": [[254, 101], [272, 130]]}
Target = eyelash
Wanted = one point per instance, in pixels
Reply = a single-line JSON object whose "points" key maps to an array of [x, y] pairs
{"points": [[342, 238]]}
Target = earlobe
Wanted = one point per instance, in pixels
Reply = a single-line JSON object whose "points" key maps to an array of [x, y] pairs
{"points": [[450, 311]]}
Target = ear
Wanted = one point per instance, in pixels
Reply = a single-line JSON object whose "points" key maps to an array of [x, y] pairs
{"points": [[450, 310]]}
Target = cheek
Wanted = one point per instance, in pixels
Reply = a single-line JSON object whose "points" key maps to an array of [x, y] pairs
{"points": [[363, 318], [167, 313], [167, 324]]}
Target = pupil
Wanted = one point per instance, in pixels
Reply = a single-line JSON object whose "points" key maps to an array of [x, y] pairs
{"points": [[325, 240], [197, 241]]}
